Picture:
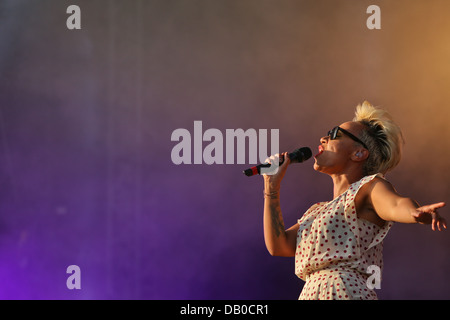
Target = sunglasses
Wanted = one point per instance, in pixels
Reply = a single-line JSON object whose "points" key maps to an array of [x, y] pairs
{"points": [[333, 135]]}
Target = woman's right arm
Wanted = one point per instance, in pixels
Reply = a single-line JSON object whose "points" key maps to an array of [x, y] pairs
{"points": [[279, 242]]}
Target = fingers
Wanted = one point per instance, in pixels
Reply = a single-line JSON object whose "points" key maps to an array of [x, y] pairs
{"points": [[443, 224], [286, 159], [432, 207], [438, 223], [428, 215], [279, 169], [276, 157], [433, 222], [438, 205]]}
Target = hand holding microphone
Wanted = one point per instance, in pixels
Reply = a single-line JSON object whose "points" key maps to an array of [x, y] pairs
{"points": [[296, 156]]}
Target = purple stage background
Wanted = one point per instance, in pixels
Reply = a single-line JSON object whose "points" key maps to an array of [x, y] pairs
{"points": [[86, 118]]}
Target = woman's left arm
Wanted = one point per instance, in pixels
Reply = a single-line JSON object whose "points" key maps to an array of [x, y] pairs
{"points": [[390, 206]]}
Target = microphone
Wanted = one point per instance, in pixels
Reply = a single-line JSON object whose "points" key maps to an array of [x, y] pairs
{"points": [[296, 156]]}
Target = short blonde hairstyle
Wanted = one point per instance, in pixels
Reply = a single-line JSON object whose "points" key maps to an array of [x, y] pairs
{"points": [[382, 136]]}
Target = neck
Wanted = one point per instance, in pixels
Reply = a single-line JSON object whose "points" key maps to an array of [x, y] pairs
{"points": [[342, 182]]}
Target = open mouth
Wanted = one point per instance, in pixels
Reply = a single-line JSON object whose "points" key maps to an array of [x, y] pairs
{"points": [[320, 151]]}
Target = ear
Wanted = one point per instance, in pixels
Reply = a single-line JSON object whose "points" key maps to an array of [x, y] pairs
{"points": [[360, 154]]}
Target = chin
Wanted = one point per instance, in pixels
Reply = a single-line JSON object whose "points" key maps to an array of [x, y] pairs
{"points": [[317, 167], [320, 168]]}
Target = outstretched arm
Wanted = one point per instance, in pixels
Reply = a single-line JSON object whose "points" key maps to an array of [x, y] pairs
{"points": [[390, 206]]}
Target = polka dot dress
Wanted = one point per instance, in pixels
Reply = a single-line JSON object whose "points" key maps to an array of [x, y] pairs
{"points": [[335, 249]]}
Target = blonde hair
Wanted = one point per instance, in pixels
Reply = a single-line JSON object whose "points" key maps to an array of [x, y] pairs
{"points": [[382, 136]]}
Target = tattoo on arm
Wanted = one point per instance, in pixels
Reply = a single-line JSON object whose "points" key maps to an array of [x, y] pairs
{"points": [[277, 219]]}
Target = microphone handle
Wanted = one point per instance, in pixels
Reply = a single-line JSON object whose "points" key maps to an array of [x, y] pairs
{"points": [[257, 169]]}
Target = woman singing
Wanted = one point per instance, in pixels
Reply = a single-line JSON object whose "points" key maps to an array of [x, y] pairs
{"points": [[337, 243]]}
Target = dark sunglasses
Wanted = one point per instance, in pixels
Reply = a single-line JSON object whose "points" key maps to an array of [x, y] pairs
{"points": [[333, 134]]}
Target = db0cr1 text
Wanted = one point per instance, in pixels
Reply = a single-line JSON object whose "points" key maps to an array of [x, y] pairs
{"points": [[246, 309]]}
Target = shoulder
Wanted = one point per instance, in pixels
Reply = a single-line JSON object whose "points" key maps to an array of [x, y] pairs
{"points": [[378, 183], [377, 187], [376, 190], [380, 193]]}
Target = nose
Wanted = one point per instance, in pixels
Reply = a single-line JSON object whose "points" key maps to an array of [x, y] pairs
{"points": [[324, 139]]}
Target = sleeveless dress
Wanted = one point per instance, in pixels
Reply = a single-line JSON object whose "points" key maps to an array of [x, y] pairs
{"points": [[336, 251]]}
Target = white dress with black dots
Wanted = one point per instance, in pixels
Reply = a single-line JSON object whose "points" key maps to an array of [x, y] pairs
{"points": [[335, 249]]}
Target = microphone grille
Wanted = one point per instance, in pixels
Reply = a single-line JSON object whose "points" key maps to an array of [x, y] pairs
{"points": [[301, 154]]}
